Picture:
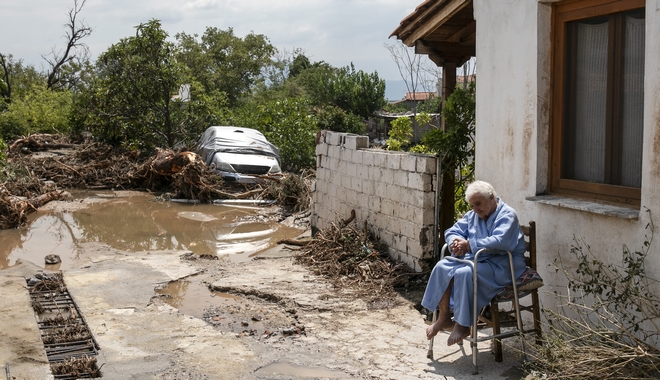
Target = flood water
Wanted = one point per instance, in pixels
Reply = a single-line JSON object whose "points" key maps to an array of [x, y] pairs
{"points": [[137, 223]]}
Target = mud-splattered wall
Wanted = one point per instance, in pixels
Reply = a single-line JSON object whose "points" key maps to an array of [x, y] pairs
{"points": [[393, 191]]}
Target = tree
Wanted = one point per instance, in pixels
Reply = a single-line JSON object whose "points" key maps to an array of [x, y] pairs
{"points": [[131, 102], [74, 53], [224, 62], [353, 91], [16, 80]]}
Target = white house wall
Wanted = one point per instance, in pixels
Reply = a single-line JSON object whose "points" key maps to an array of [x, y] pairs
{"points": [[513, 92]]}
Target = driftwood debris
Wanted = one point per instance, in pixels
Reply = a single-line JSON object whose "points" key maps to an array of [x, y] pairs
{"points": [[167, 162], [353, 259], [38, 142], [14, 210], [92, 165]]}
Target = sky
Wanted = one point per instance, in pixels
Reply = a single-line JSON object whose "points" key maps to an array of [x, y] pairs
{"points": [[335, 31]]}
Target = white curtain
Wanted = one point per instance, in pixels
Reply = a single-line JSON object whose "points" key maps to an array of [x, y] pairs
{"points": [[590, 102], [632, 102]]}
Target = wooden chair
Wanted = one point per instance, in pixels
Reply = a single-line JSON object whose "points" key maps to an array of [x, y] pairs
{"points": [[526, 284]]}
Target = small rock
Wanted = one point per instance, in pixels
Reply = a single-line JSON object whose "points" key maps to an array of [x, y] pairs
{"points": [[52, 259]]}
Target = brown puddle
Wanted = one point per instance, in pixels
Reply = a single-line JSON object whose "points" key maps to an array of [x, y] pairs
{"points": [[192, 296], [134, 223]]}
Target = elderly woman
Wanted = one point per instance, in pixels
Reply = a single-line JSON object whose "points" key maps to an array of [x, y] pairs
{"points": [[491, 224]]}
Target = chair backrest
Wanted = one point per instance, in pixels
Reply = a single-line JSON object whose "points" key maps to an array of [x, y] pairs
{"points": [[530, 243]]}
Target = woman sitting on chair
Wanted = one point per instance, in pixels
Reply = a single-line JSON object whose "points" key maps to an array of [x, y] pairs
{"points": [[493, 225]]}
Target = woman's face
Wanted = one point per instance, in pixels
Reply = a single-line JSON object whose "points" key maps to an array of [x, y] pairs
{"points": [[483, 206]]}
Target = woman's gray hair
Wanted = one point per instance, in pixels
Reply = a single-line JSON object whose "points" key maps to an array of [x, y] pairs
{"points": [[482, 188]]}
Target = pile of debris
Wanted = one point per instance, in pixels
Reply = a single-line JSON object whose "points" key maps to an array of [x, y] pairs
{"points": [[353, 259], [41, 165]]}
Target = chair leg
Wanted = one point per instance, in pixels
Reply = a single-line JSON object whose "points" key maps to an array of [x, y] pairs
{"points": [[429, 353], [497, 344], [536, 311]]}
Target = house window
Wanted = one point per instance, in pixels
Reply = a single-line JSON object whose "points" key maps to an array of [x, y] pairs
{"points": [[598, 100]]}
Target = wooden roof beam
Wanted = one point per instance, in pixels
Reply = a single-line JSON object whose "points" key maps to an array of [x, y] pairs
{"points": [[467, 31], [437, 19], [444, 49]]}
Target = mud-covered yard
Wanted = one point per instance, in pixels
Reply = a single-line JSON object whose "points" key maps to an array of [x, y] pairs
{"points": [[272, 315], [282, 322]]}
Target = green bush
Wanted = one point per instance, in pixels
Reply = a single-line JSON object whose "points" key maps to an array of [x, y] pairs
{"points": [[40, 111], [335, 119]]}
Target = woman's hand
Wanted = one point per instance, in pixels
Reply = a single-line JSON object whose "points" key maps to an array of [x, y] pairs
{"points": [[459, 247]]}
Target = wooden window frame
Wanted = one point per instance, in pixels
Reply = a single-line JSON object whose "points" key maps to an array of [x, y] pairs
{"points": [[564, 13]]}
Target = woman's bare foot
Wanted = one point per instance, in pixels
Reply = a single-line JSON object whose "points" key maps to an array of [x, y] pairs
{"points": [[457, 334], [441, 324]]}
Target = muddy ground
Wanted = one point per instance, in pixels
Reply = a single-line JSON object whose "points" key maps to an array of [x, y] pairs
{"points": [[277, 320]]}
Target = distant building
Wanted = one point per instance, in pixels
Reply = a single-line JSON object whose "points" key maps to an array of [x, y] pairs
{"points": [[414, 98]]}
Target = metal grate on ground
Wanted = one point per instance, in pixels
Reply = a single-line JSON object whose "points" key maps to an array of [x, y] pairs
{"points": [[70, 346]]}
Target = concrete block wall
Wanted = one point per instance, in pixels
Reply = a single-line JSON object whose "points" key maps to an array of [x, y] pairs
{"points": [[393, 191]]}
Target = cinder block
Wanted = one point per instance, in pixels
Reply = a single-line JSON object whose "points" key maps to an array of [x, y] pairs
{"points": [[356, 142], [345, 181], [357, 157], [393, 161], [426, 164], [414, 198], [351, 197], [332, 163], [362, 200], [351, 169], [334, 151], [341, 167], [415, 249], [394, 225], [356, 184], [400, 177], [410, 229], [374, 204], [322, 149], [368, 157], [400, 243], [387, 176], [332, 190], [368, 187], [380, 159], [346, 154], [388, 207], [381, 221], [420, 181], [408, 162], [320, 136], [429, 199], [374, 173], [333, 138], [380, 189], [362, 171]]}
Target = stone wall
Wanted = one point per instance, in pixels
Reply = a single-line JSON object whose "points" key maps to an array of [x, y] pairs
{"points": [[393, 191]]}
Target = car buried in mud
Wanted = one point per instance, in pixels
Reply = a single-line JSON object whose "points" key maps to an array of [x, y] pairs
{"points": [[238, 154]]}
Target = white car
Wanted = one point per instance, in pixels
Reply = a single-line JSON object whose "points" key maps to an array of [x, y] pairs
{"points": [[238, 153]]}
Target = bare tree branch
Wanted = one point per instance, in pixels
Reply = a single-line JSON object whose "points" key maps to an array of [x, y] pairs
{"points": [[413, 72], [74, 51]]}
